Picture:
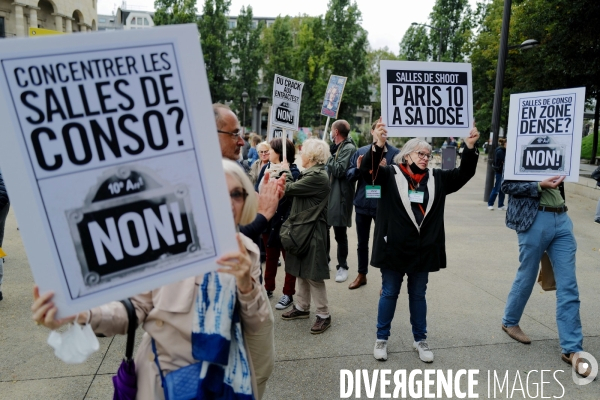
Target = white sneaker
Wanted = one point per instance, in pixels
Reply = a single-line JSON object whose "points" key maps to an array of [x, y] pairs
{"points": [[503, 208], [425, 354], [491, 208], [341, 275], [284, 302], [380, 350]]}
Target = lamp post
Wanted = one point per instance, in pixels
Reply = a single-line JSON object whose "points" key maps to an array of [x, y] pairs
{"points": [[244, 100], [497, 107], [440, 30]]}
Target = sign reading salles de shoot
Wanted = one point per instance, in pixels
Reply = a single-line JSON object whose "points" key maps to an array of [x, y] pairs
{"points": [[426, 99], [287, 95], [544, 135], [105, 148]]}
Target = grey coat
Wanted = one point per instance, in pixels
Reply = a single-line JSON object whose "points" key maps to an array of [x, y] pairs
{"points": [[339, 212], [309, 190]]}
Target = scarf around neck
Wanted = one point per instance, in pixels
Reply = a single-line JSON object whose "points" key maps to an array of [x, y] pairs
{"points": [[415, 177]]}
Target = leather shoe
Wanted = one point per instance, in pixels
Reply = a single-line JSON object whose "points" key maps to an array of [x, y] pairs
{"points": [[360, 280], [579, 364], [516, 333]]}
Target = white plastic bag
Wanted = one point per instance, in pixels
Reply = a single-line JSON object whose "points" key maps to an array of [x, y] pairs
{"points": [[74, 345]]}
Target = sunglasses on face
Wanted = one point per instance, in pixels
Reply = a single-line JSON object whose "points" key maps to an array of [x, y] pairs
{"points": [[238, 195]]}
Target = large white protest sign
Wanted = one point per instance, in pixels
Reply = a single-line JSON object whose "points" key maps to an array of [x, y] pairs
{"points": [[544, 135], [106, 147], [277, 132], [426, 99], [287, 95]]}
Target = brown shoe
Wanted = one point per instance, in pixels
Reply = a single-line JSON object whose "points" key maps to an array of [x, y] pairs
{"points": [[320, 325], [568, 358], [516, 333], [294, 313], [360, 280]]}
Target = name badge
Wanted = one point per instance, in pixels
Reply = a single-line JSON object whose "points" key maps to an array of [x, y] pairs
{"points": [[373, 192], [416, 197]]}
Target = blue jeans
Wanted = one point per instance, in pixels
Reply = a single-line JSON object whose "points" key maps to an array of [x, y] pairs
{"points": [[417, 285], [553, 233], [497, 192]]}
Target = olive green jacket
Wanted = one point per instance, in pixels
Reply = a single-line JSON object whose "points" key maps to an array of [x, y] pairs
{"points": [[311, 187], [341, 197]]}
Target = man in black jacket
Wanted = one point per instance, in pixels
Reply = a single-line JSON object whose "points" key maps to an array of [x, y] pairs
{"points": [[4, 206], [499, 156]]}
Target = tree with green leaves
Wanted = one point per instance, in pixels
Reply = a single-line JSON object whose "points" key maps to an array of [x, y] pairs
{"points": [[374, 58], [247, 56], [169, 12], [415, 44], [213, 27], [346, 54], [278, 50], [455, 17]]}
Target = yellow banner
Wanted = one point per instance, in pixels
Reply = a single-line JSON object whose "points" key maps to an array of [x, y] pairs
{"points": [[43, 32]]}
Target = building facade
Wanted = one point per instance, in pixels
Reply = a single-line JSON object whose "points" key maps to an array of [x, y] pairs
{"points": [[16, 17]]}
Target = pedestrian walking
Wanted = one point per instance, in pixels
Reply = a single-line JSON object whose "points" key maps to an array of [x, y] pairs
{"points": [[409, 237], [310, 194], [365, 208], [537, 211], [177, 327], [339, 213], [264, 151], [499, 156]]}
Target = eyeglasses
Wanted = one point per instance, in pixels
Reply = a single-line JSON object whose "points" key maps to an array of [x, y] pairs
{"points": [[238, 195], [424, 156], [235, 135], [263, 152]]}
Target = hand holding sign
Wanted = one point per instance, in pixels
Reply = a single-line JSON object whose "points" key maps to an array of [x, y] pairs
{"points": [[380, 133], [44, 311], [473, 137], [238, 264], [552, 182]]}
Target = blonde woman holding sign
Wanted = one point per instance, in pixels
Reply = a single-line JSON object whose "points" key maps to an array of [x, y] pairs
{"points": [[409, 235]]}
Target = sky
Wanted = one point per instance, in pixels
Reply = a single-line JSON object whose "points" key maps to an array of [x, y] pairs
{"points": [[385, 20]]}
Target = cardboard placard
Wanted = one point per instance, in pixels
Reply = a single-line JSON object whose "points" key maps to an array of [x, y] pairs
{"points": [[333, 96], [106, 148], [426, 99], [544, 135], [287, 95]]}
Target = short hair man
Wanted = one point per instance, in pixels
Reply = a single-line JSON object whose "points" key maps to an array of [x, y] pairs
{"points": [[339, 212], [365, 209], [261, 343]]}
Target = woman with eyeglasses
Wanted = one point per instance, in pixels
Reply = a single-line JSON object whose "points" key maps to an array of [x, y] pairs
{"points": [[270, 237], [264, 150], [409, 237], [179, 330]]}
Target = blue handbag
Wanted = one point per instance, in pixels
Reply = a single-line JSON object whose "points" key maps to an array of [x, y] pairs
{"points": [[181, 384]]}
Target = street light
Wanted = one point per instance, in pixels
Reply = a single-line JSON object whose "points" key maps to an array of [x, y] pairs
{"points": [[497, 108], [244, 100], [440, 30]]}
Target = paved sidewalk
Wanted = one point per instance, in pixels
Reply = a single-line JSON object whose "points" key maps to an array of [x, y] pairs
{"points": [[466, 303]]}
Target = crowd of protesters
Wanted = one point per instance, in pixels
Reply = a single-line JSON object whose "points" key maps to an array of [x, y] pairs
{"points": [[281, 209]]}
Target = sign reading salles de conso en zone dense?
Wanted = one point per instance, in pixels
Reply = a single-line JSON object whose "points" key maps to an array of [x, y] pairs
{"points": [[426, 99], [544, 135], [105, 148]]}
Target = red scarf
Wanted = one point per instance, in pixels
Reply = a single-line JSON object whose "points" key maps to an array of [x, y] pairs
{"points": [[415, 177]]}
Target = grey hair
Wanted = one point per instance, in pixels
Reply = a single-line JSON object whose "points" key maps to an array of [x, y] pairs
{"points": [[410, 146]]}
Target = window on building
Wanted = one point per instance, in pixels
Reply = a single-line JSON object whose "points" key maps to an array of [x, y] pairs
{"points": [[146, 21], [139, 21], [232, 24], [254, 24], [102, 20], [269, 23], [2, 33], [132, 21]]}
